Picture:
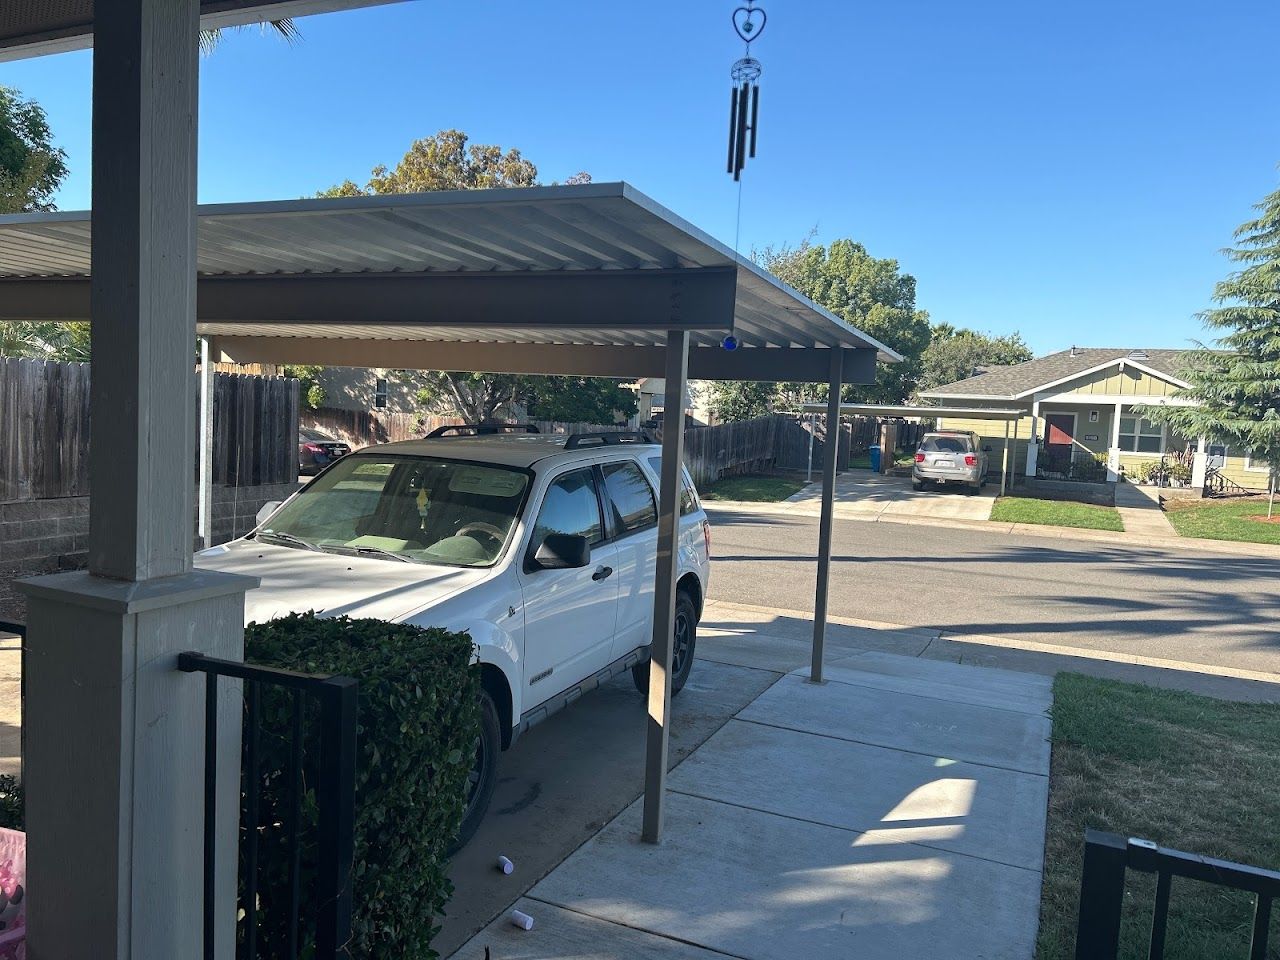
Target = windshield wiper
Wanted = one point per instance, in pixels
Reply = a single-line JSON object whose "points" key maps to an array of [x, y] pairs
{"points": [[368, 552], [286, 539]]}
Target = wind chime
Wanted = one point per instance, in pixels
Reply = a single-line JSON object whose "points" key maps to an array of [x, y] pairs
{"points": [[748, 23]]}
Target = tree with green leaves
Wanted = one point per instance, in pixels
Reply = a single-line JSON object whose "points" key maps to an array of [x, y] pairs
{"points": [[734, 400], [31, 167], [1235, 389], [870, 293], [954, 354], [31, 170]]}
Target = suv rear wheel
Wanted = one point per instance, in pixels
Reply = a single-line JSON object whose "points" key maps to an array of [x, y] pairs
{"points": [[683, 640], [484, 774]]}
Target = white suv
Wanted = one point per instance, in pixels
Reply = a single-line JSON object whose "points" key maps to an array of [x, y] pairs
{"points": [[542, 547]]}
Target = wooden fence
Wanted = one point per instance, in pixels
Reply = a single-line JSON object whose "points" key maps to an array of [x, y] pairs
{"points": [[44, 430], [255, 430], [748, 446]]}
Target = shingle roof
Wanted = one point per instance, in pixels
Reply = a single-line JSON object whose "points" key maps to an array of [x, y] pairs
{"points": [[1020, 378]]}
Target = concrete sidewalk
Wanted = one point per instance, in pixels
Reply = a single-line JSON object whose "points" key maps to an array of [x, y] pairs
{"points": [[896, 810], [1140, 511]]}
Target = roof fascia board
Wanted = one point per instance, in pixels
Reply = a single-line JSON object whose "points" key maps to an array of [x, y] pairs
{"points": [[1111, 399], [705, 363], [215, 15], [1117, 362]]}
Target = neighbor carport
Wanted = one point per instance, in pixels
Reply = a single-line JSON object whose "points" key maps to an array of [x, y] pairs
{"points": [[592, 280], [1008, 417]]}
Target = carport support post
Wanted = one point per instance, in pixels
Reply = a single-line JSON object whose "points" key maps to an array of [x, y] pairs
{"points": [[658, 731], [829, 455], [115, 733], [205, 522]]}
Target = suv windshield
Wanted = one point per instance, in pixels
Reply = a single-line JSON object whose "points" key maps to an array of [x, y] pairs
{"points": [[952, 444], [417, 509]]}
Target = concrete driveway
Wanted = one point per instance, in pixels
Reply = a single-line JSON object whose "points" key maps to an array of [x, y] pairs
{"points": [[863, 495]]}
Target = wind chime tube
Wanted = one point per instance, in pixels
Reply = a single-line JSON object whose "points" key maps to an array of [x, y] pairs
{"points": [[755, 116], [733, 126], [741, 159]]}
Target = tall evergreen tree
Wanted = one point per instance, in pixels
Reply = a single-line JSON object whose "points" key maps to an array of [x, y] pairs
{"points": [[1236, 388]]}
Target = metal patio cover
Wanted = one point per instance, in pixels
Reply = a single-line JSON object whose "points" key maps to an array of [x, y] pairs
{"points": [[583, 279]]}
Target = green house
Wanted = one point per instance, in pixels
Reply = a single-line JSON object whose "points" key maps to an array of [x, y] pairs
{"points": [[1081, 425]]}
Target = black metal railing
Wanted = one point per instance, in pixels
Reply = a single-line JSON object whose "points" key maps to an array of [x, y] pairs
{"points": [[20, 630], [1081, 465], [334, 798], [1107, 857]]}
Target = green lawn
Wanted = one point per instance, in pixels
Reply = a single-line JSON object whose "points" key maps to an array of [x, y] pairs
{"points": [[1224, 519], [1187, 772], [757, 488], [1056, 513]]}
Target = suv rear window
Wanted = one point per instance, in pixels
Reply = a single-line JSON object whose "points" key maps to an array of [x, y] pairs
{"points": [[630, 497], [687, 503], [945, 445]]}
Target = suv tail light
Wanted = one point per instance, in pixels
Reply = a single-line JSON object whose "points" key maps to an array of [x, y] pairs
{"points": [[919, 458], [313, 447], [706, 536], [970, 460]]}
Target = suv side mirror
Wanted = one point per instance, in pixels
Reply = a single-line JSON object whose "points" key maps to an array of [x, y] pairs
{"points": [[268, 508], [562, 551]]}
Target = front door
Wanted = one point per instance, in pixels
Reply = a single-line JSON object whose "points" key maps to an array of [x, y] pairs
{"points": [[1059, 433], [569, 614]]}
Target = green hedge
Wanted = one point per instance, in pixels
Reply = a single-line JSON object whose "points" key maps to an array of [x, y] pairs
{"points": [[418, 723], [11, 802]]}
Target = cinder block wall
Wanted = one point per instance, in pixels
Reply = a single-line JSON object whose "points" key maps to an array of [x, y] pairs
{"points": [[41, 536]]}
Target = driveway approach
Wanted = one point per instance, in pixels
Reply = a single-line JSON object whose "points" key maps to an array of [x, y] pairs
{"points": [[1195, 606]]}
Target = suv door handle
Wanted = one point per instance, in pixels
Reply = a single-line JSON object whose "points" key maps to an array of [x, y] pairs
{"points": [[602, 573]]}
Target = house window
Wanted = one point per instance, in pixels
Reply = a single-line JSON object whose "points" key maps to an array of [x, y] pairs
{"points": [[1256, 464], [380, 393], [1139, 435]]}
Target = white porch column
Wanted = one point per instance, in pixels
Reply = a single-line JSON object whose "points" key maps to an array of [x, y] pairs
{"points": [[1031, 441], [658, 730], [204, 521], [115, 745], [1200, 464], [1113, 446]]}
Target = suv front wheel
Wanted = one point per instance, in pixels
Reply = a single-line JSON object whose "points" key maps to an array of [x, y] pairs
{"points": [[484, 774], [683, 639]]}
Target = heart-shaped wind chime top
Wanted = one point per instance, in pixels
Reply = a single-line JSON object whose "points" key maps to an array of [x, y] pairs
{"points": [[744, 104]]}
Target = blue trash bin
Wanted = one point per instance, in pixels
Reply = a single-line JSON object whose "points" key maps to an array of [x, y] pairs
{"points": [[875, 458]]}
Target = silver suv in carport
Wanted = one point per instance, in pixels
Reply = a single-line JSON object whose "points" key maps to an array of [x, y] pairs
{"points": [[950, 456]]}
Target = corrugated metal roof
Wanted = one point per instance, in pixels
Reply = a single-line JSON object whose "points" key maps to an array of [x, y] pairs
{"points": [[532, 231]]}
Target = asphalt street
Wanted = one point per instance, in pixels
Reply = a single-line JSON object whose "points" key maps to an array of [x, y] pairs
{"points": [[1197, 607]]}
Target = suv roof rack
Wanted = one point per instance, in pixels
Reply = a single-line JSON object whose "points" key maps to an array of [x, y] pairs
{"points": [[606, 438], [481, 429]]}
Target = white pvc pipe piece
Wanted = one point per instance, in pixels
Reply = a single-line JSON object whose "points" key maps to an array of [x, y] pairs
{"points": [[505, 865], [522, 920]]}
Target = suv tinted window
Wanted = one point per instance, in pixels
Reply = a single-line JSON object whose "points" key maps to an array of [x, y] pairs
{"points": [[945, 445], [570, 507], [687, 504], [630, 496]]}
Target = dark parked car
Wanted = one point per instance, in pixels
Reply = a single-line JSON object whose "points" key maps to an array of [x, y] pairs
{"points": [[317, 450]]}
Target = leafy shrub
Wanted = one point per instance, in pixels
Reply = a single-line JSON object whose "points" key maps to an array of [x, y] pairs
{"points": [[418, 720], [11, 802]]}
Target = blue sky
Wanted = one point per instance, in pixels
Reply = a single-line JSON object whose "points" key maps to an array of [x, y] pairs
{"points": [[1067, 171]]}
